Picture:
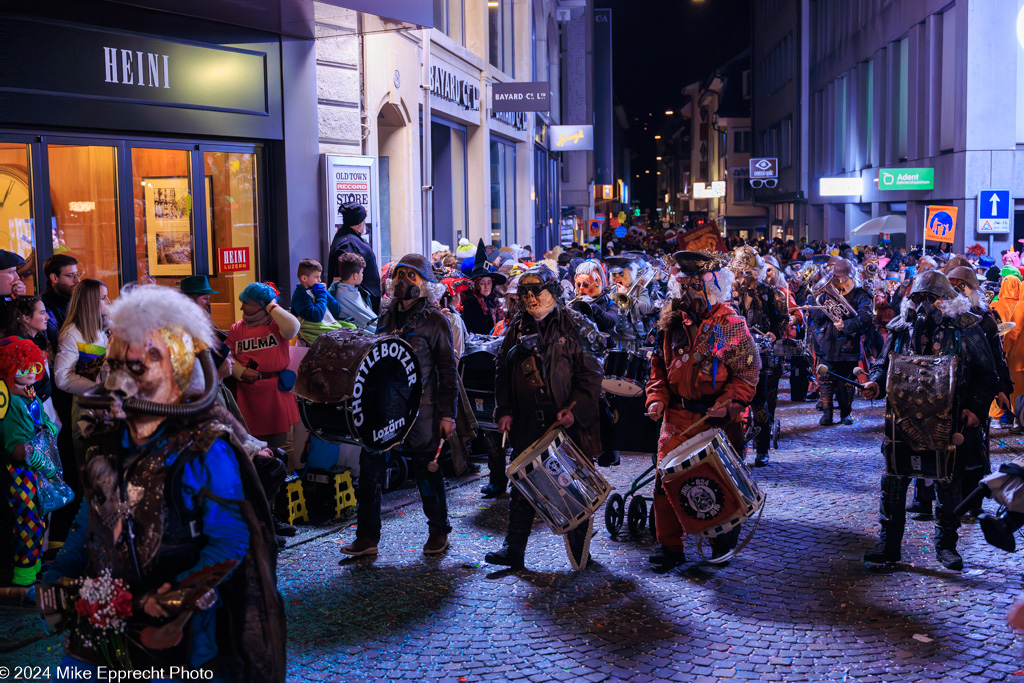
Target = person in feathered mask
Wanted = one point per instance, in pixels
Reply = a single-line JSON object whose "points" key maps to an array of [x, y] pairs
{"points": [[21, 420], [704, 363], [412, 314], [935, 321]]}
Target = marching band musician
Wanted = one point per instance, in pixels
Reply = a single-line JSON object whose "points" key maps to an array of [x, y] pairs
{"points": [[633, 301], [799, 367], [592, 298], [413, 316], [935, 321], [763, 302], [704, 364], [548, 370], [593, 302], [839, 343]]}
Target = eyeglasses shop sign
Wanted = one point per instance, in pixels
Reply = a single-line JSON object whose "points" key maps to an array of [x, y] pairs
{"points": [[572, 138]]}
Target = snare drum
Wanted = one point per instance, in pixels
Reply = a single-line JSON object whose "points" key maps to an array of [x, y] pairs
{"points": [[625, 373], [788, 348], [559, 481], [710, 489], [360, 388]]}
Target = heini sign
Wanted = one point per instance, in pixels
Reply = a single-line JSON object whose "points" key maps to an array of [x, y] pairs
{"points": [[906, 179], [840, 187]]}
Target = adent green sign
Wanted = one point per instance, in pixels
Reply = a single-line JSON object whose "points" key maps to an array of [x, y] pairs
{"points": [[906, 179]]}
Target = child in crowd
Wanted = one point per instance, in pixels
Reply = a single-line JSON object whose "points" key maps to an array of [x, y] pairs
{"points": [[352, 302], [316, 309], [25, 457]]}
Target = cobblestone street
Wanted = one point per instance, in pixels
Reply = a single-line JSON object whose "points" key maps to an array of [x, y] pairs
{"points": [[798, 603]]}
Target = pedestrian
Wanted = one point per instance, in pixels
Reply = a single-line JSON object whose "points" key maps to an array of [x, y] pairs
{"points": [[353, 301], [62, 276], [26, 457], [351, 238], [259, 342], [11, 286], [82, 350], [315, 307], [413, 316]]}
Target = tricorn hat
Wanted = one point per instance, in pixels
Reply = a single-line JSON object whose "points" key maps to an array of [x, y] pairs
{"points": [[693, 263]]}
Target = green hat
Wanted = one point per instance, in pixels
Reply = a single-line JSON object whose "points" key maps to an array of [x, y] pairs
{"points": [[196, 285]]}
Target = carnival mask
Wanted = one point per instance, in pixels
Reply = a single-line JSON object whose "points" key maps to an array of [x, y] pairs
{"points": [[586, 285], [151, 372], [537, 300], [407, 285]]}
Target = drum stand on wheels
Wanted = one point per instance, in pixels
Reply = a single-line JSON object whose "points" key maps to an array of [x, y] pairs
{"points": [[636, 514]]}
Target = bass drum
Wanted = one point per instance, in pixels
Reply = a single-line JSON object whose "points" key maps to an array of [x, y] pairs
{"points": [[359, 388]]}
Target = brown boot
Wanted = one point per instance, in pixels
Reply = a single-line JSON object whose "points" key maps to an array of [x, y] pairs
{"points": [[361, 547], [436, 544]]}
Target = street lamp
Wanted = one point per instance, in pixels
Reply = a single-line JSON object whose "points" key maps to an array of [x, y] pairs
{"points": [[669, 112], [657, 137]]}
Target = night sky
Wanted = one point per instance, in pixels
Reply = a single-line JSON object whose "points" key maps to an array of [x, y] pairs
{"points": [[659, 47]]}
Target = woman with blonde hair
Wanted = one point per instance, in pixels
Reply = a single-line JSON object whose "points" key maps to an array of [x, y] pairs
{"points": [[82, 348]]}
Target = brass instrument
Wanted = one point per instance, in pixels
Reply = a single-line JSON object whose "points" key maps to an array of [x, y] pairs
{"points": [[828, 297], [624, 300]]}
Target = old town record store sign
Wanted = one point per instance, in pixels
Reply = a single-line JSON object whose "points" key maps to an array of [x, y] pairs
{"points": [[69, 61]]}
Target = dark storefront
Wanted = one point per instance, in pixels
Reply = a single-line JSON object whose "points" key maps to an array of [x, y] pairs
{"points": [[149, 146]]}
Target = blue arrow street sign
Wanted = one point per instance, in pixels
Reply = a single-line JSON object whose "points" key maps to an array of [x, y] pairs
{"points": [[994, 204], [994, 208]]}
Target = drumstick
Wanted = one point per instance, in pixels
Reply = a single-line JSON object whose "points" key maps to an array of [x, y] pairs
{"points": [[823, 370], [432, 465], [504, 436]]}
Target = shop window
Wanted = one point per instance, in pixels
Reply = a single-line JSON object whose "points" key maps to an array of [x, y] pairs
{"points": [[500, 24], [503, 193], [83, 199], [233, 218], [162, 189], [16, 224]]}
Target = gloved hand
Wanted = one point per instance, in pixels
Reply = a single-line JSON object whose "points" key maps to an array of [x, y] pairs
{"points": [[258, 292], [42, 464], [319, 288]]}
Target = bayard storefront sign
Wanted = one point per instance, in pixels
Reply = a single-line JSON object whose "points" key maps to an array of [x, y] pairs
{"points": [[450, 87]]}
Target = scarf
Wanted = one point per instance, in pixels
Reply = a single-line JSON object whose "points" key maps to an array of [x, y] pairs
{"points": [[257, 319]]}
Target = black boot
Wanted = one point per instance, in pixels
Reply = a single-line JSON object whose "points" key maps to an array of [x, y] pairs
{"points": [[724, 543], [511, 555], [882, 554], [667, 557], [827, 393], [608, 459], [761, 460], [949, 558]]}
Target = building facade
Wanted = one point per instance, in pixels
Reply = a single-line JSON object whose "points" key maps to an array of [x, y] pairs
{"points": [[779, 130], [415, 105], [703, 153], [926, 89]]}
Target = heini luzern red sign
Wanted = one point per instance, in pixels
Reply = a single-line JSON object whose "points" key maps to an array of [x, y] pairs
{"points": [[236, 258]]}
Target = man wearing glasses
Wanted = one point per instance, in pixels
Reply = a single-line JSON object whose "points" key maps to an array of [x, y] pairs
{"points": [[62, 276]]}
